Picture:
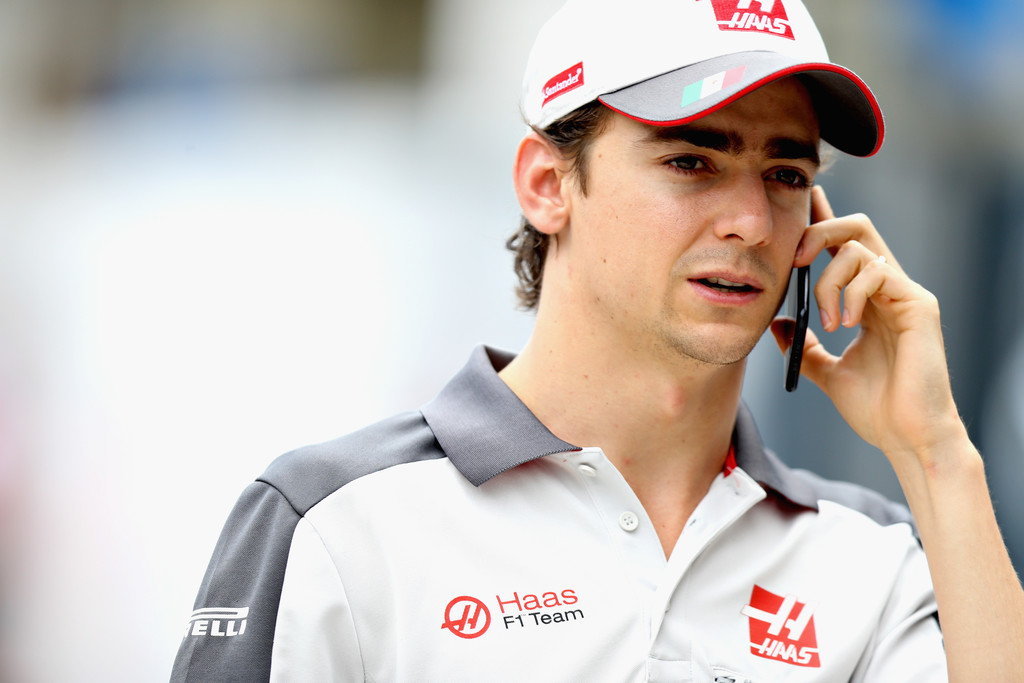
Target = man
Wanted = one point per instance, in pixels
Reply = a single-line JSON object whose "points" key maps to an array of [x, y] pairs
{"points": [[600, 507]]}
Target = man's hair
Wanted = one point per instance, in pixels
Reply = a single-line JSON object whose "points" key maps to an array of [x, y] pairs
{"points": [[571, 135]]}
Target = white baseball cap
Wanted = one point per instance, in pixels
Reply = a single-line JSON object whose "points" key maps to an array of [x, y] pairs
{"points": [[670, 62]]}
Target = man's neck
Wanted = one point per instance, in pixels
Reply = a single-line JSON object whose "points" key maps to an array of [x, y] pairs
{"points": [[665, 423]]}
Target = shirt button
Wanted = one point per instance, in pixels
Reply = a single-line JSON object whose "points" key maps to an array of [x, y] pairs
{"points": [[629, 521], [588, 470]]}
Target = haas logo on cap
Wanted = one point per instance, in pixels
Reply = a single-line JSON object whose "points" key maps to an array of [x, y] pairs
{"points": [[763, 16]]}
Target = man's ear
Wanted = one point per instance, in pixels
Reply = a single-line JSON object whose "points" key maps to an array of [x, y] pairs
{"points": [[542, 184]]}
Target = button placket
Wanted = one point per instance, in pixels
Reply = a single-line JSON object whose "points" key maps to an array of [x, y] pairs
{"points": [[623, 517]]}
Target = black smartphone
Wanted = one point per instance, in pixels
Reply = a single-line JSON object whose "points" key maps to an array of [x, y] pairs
{"points": [[798, 308]]}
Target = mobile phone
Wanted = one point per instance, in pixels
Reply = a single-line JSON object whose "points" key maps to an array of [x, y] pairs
{"points": [[799, 308]]}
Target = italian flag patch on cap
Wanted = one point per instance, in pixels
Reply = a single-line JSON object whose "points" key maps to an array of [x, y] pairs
{"points": [[712, 84]]}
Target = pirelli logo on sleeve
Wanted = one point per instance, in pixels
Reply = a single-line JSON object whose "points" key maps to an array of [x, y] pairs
{"points": [[218, 622]]}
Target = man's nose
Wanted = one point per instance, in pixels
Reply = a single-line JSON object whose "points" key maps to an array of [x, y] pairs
{"points": [[746, 213]]}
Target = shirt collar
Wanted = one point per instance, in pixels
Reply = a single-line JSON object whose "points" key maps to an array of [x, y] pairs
{"points": [[482, 426], [765, 467], [485, 430]]}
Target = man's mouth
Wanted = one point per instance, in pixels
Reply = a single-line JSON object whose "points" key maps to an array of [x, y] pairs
{"points": [[723, 285]]}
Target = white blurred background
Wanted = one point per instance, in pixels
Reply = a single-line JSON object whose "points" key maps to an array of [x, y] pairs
{"points": [[231, 228]]}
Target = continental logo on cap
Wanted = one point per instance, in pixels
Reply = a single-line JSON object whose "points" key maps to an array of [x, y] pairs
{"points": [[570, 79], [768, 16]]}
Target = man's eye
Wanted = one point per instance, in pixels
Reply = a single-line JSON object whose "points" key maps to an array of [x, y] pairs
{"points": [[789, 176], [688, 163]]}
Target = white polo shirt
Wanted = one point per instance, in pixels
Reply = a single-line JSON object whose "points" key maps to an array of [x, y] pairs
{"points": [[465, 542]]}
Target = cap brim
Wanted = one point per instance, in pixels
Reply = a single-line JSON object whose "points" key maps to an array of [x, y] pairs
{"points": [[848, 114]]}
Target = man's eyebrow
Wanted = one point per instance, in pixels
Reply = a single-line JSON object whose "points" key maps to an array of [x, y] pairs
{"points": [[789, 148], [730, 142], [717, 140]]}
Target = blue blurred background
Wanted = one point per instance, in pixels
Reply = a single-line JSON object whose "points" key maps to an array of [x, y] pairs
{"points": [[229, 228]]}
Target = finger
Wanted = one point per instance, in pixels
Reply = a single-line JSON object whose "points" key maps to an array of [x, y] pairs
{"points": [[827, 232], [821, 209], [877, 281], [848, 261], [811, 244], [831, 234]]}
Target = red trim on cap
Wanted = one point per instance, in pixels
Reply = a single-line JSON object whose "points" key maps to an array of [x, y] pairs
{"points": [[834, 68]]}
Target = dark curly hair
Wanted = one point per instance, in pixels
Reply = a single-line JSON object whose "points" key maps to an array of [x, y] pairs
{"points": [[571, 135]]}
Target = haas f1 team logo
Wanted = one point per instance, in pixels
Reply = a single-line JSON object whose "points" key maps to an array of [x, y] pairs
{"points": [[467, 617], [782, 629], [769, 16]]}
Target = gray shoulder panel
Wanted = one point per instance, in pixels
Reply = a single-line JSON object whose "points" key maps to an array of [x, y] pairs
{"points": [[860, 498], [244, 577], [805, 488], [308, 475], [246, 573]]}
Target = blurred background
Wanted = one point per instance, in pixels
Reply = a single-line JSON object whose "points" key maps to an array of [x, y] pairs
{"points": [[229, 228]]}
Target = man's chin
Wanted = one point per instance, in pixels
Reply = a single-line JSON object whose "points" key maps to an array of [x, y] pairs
{"points": [[709, 350]]}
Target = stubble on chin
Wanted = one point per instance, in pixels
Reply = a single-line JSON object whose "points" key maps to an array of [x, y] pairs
{"points": [[681, 340], [703, 350]]}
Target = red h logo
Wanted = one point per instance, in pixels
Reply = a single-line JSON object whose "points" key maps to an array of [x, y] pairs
{"points": [[781, 628], [740, 15], [466, 617]]}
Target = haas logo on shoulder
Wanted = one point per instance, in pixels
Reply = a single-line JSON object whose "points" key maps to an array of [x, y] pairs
{"points": [[781, 628], [764, 16]]}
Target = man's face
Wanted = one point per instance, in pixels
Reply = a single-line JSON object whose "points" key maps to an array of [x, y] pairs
{"points": [[685, 239]]}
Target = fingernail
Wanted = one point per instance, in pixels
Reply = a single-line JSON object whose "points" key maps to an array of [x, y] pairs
{"points": [[846, 318], [799, 251], [825, 320]]}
